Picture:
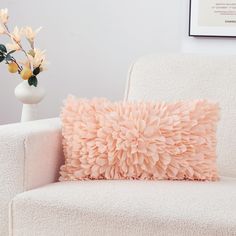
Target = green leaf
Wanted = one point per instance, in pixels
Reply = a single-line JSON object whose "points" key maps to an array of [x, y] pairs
{"points": [[36, 71], [3, 48], [11, 52], [2, 57], [8, 57], [33, 81]]}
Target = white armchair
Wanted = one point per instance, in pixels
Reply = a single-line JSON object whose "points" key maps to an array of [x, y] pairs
{"points": [[30, 157]]}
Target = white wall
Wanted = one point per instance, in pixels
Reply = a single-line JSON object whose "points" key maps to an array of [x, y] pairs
{"points": [[90, 44]]}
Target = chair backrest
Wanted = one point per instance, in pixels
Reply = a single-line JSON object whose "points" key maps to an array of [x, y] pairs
{"points": [[188, 76]]}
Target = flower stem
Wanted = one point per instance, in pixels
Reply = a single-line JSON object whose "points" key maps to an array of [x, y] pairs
{"points": [[19, 67]]}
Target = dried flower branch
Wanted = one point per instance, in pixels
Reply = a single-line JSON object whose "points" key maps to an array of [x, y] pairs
{"points": [[35, 61]]}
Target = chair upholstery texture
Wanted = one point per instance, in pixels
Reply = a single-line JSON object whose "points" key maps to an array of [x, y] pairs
{"points": [[30, 156], [124, 208]]}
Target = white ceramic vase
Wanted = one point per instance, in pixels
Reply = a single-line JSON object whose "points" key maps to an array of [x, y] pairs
{"points": [[30, 96]]}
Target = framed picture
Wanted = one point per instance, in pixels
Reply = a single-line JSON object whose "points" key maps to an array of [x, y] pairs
{"points": [[212, 18]]}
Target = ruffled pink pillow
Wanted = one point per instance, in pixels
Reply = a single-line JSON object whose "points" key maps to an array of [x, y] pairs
{"points": [[139, 140]]}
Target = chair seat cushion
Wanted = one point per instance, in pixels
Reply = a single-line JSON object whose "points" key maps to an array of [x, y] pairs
{"points": [[126, 208]]}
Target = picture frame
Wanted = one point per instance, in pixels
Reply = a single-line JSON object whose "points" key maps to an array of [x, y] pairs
{"points": [[212, 18]]}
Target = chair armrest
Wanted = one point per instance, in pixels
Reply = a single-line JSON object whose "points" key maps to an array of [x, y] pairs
{"points": [[30, 156]]}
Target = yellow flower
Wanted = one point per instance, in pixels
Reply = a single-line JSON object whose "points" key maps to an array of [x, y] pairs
{"points": [[16, 34], [2, 30], [26, 73], [30, 34], [12, 67], [39, 59], [4, 15]]}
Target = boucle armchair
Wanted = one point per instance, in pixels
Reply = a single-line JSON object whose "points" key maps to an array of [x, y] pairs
{"points": [[32, 202]]}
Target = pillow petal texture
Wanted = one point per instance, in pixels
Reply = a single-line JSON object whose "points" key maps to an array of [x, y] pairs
{"points": [[139, 140]]}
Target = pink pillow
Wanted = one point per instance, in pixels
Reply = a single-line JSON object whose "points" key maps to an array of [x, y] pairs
{"points": [[139, 140]]}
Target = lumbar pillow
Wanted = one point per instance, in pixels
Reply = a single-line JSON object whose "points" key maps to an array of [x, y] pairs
{"points": [[139, 140]]}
